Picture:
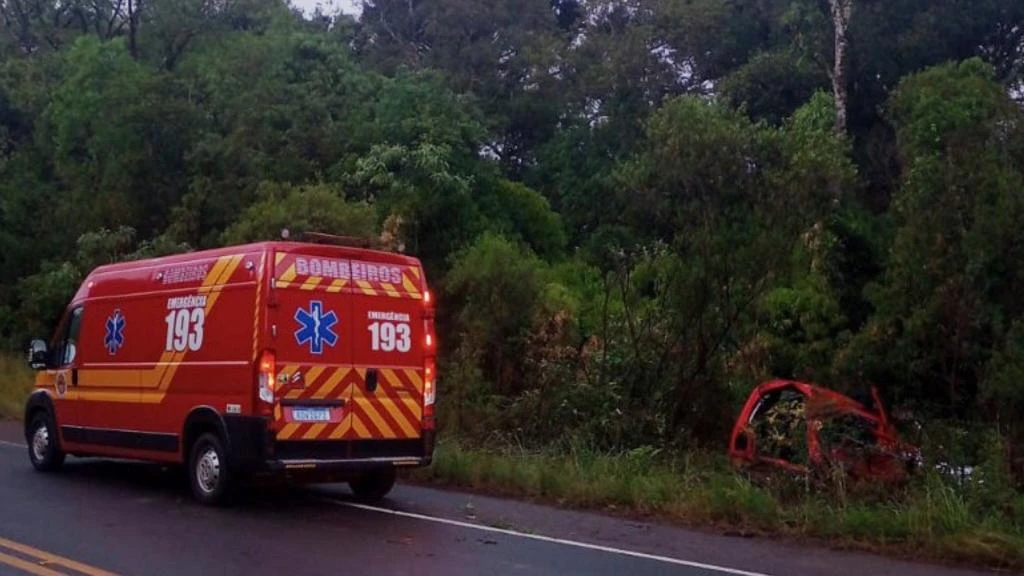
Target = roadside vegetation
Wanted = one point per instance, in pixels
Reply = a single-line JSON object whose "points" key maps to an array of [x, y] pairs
{"points": [[934, 518], [632, 212], [15, 383]]}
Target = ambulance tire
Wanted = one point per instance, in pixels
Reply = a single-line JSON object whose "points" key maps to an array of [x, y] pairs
{"points": [[42, 443], [375, 485], [208, 471]]}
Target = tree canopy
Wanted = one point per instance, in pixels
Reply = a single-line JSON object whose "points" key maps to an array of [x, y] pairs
{"points": [[633, 211]]}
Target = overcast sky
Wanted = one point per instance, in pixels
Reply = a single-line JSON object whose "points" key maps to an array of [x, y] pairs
{"points": [[347, 6]]}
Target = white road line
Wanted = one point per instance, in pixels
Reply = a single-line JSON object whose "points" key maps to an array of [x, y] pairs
{"points": [[564, 542], [608, 549]]}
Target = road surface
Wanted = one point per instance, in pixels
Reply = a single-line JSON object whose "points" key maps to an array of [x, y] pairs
{"points": [[101, 518]]}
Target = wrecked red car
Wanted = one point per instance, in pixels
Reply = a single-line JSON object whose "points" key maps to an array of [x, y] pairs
{"points": [[806, 428]]}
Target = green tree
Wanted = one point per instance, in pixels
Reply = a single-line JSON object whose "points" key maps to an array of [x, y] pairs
{"points": [[318, 208], [948, 292], [116, 129]]}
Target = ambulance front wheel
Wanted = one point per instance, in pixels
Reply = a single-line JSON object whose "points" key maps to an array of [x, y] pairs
{"points": [[42, 443], [208, 470], [374, 485]]}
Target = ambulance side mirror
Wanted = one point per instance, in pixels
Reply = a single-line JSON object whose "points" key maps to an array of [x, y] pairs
{"points": [[38, 354]]}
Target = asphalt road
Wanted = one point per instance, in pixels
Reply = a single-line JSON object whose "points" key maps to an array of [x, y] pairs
{"points": [[100, 518]]}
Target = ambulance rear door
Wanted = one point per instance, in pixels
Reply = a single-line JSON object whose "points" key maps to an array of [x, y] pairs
{"points": [[311, 314]]}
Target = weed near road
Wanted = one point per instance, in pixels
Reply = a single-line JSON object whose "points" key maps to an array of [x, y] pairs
{"points": [[929, 519], [15, 384]]}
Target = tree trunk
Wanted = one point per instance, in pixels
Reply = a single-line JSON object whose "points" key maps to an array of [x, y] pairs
{"points": [[133, 27], [841, 12]]}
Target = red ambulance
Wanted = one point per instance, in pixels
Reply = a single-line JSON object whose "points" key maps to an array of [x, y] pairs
{"points": [[311, 360]]}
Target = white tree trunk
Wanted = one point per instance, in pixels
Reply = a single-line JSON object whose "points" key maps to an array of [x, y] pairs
{"points": [[841, 12]]}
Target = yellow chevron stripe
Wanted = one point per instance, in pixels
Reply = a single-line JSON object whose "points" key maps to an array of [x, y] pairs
{"points": [[287, 431], [336, 286], [315, 431], [414, 406], [391, 378], [410, 287], [289, 274], [342, 428], [366, 287], [416, 379], [312, 375], [279, 257], [331, 383], [375, 417], [361, 430], [415, 272], [311, 283], [218, 268], [390, 290], [396, 414]]}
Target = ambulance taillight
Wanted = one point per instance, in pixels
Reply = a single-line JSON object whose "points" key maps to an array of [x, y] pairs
{"points": [[266, 380], [429, 393]]}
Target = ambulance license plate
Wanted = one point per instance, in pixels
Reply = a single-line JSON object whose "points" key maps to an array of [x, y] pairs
{"points": [[311, 414]]}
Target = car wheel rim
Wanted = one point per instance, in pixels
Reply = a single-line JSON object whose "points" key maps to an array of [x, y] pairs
{"points": [[208, 471], [40, 443]]}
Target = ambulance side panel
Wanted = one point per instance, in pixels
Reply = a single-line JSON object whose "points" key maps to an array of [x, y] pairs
{"points": [[159, 340]]}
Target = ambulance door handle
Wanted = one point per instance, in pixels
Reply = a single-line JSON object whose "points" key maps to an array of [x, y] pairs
{"points": [[74, 376], [371, 380]]}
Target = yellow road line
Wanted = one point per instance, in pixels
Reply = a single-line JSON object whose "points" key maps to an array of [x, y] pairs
{"points": [[25, 566], [47, 557]]}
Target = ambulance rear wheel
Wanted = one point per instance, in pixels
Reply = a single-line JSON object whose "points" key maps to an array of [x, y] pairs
{"points": [[374, 485], [209, 475], [42, 443]]}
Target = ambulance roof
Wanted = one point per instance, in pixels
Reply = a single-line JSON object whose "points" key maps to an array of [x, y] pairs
{"points": [[134, 267]]}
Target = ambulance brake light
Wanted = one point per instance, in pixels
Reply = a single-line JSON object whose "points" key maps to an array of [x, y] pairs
{"points": [[266, 370], [429, 393]]}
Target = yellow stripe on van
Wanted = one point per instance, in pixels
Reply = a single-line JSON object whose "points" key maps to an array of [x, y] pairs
{"points": [[415, 378], [331, 383], [343, 427], [315, 431], [361, 430], [226, 271], [415, 407], [256, 309], [375, 417], [398, 416], [289, 274], [390, 290], [287, 431], [410, 287]]}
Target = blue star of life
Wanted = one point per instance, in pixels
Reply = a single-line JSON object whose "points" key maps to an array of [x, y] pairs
{"points": [[316, 327], [114, 338]]}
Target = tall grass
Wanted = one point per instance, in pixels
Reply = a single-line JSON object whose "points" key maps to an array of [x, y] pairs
{"points": [[931, 518], [15, 383]]}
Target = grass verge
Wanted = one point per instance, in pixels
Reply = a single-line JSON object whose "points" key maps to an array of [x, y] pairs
{"points": [[15, 383], [929, 520]]}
